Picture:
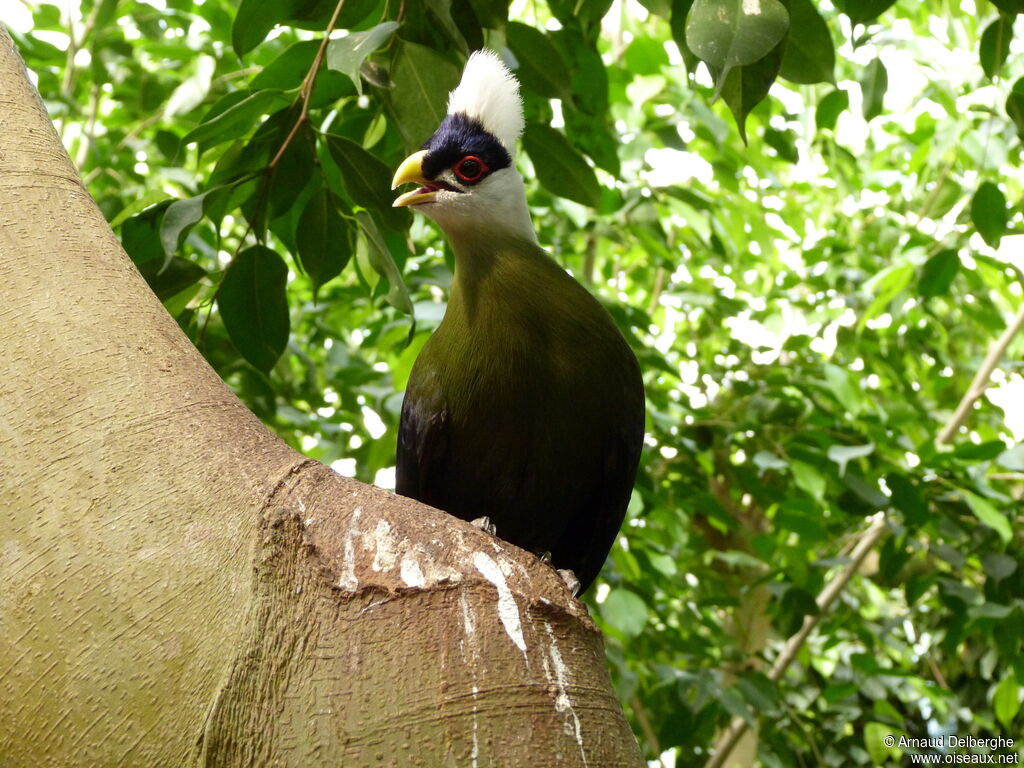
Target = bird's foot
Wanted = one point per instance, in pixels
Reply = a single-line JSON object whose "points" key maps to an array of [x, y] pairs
{"points": [[570, 580], [484, 524]]}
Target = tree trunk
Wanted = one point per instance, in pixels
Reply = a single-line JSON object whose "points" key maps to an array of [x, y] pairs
{"points": [[181, 588]]}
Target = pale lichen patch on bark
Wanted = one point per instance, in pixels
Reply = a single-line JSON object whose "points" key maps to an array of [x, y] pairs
{"points": [[384, 559], [348, 579], [563, 704], [411, 572], [508, 611]]}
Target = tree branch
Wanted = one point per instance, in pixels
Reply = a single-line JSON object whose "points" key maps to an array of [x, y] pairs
{"points": [[865, 543], [981, 378]]}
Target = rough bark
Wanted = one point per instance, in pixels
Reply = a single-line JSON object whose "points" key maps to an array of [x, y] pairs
{"points": [[181, 588]]}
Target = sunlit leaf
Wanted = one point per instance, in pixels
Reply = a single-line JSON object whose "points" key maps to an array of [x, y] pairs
{"points": [[626, 611], [347, 54], [829, 109], [236, 121], [843, 454], [809, 479], [989, 515], [1006, 700], [732, 33], [810, 56]]}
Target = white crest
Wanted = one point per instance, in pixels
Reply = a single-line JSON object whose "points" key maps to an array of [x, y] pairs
{"points": [[489, 92]]}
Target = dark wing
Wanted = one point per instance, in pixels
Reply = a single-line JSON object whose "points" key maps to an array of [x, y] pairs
{"points": [[591, 532], [422, 441]]}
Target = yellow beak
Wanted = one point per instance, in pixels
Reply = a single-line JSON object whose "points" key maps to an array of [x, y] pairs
{"points": [[409, 172]]}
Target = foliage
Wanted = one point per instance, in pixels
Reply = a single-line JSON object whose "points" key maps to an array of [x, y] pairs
{"points": [[809, 302]]}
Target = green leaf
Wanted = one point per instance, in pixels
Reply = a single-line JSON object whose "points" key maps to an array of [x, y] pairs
{"points": [[589, 74], [680, 11], [810, 56], [842, 387], [418, 100], [254, 19], [979, 451], [1006, 700], [594, 137], [766, 460], [626, 611], [1012, 458], [1015, 106], [907, 498], [367, 180], [863, 11], [733, 33], [844, 454], [180, 217], [384, 264], [287, 71], [323, 239], [989, 515], [989, 611], [998, 566], [829, 109], [347, 54], [559, 167], [938, 273], [877, 736], [995, 45], [1009, 6], [808, 479], [137, 206], [745, 87], [237, 120], [887, 284], [169, 278], [541, 67], [646, 56], [140, 234], [988, 213], [254, 306], [873, 84]]}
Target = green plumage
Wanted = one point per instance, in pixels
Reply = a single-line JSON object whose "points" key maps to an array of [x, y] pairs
{"points": [[526, 405]]}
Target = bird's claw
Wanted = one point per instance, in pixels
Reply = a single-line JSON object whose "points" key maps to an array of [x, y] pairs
{"points": [[570, 580], [484, 524]]}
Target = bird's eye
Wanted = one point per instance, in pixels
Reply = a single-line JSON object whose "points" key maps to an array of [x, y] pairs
{"points": [[470, 168]]}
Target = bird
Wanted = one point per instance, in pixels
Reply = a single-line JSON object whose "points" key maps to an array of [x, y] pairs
{"points": [[526, 405]]}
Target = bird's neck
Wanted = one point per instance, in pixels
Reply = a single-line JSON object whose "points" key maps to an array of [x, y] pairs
{"points": [[494, 273]]}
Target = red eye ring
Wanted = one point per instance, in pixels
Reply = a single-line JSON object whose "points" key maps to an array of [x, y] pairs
{"points": [[475, 170]]}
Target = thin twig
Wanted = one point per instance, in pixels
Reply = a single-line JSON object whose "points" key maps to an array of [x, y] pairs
{"points": [[306, 89], [980, 382], [865, 544], [645, 724]]}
